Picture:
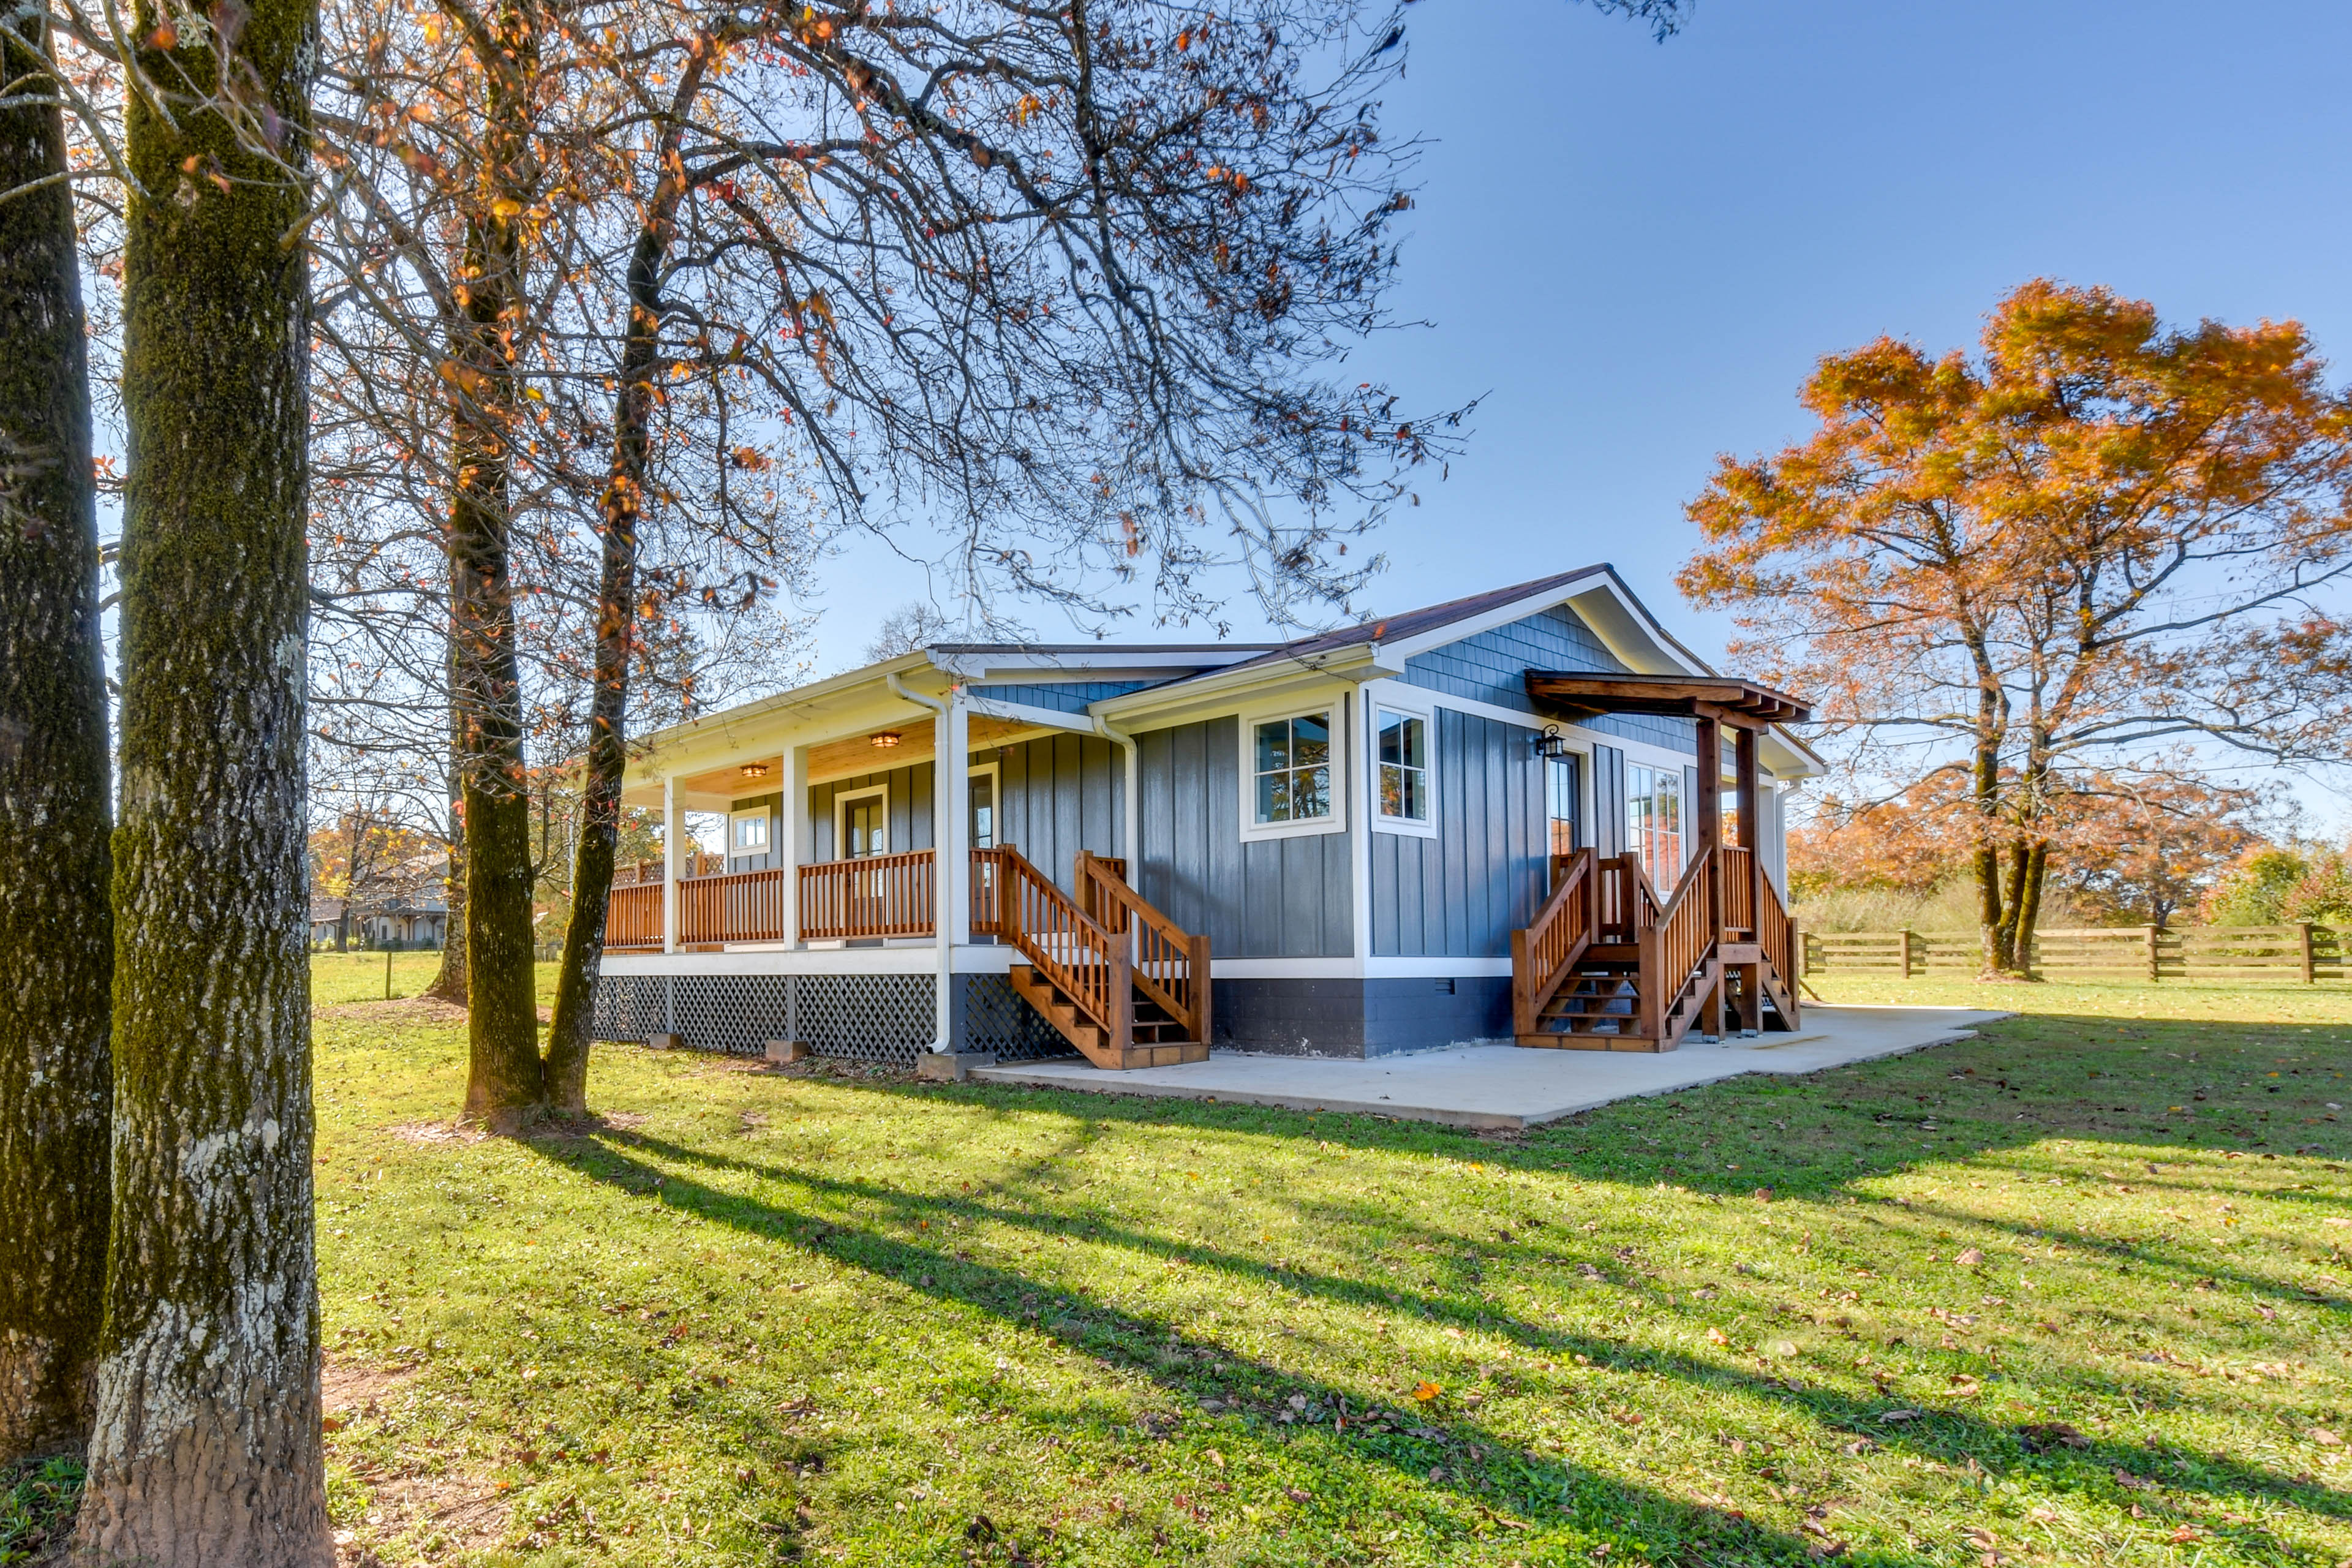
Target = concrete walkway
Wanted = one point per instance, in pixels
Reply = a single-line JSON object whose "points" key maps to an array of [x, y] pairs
{"points": [[1508, 1086]]}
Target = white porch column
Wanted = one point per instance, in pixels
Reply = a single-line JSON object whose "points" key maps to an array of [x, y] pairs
{"points": [[952, 795], [672, 859], [792, 830]]}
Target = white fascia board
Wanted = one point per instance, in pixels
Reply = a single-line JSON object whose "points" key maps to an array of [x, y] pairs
{"points": [[1108, 663], [1785, 756], [1519, 609], [1220, 689], [1027, 713]]}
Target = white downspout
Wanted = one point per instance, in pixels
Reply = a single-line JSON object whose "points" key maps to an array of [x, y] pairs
{"points": [[943, 801], [1131, 833]]}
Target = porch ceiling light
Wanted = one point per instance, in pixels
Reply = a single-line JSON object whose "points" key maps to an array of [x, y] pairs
{"points": [[755, 770], [886, 740]]}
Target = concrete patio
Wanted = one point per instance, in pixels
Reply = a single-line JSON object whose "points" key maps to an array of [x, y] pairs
{"points": [[1499, 1086]]}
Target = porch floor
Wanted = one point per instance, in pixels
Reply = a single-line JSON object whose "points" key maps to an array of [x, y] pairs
{"points": [[1510, 1086]]}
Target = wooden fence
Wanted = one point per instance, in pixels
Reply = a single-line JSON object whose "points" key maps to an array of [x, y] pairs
{"points": [[2301, 952]]}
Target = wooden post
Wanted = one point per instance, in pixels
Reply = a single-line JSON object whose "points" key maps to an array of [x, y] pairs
{"points": [[387, 964], [2303, 929], [1708, 813], [1906, 950], [2154, 975], [1748, 794], [1203, 986], [1522, 1014]]}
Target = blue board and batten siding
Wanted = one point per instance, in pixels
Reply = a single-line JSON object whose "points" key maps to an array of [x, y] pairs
{"points": [[1491, 666], [1462, 893], [1058, 794], [1266, 898]]}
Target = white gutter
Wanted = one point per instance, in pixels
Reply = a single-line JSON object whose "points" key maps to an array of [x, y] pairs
{"points": [[942, 885], [1133, 835]]}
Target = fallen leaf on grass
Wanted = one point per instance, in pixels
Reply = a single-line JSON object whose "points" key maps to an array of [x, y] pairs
{"points": [[1901, 1414], [2324, 1437], [1969, 1259], [1426, 1390]]}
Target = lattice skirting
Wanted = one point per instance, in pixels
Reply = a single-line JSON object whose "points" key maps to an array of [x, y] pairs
{"points": [[879, 1018]]}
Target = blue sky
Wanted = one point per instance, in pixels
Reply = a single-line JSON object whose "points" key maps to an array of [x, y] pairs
{"points": [[1635, 251]]}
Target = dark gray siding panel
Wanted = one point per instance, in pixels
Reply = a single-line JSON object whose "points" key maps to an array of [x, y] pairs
{"points": [[910, 809], [1462, 893], [1275, 898], [1060, 795], [1492, 666]]}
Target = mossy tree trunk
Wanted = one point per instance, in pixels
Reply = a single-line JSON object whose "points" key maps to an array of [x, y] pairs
{"points": [[621, 511], [504, 1081], [56, 944], [206, 1446]]}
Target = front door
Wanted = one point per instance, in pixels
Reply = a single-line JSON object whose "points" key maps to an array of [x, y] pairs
{"points": [[864, 828]]}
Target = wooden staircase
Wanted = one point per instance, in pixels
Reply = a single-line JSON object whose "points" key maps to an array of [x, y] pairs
{"points": [[1116, 977], [1608, 966]]}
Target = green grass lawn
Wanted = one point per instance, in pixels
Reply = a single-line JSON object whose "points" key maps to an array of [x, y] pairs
{"points": [[2064, 1293]]}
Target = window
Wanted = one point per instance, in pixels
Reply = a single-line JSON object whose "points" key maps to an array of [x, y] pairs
{"points": [[1564, 794], [1292, 762], [1403, 750], [1653, 821], [751, 834]]}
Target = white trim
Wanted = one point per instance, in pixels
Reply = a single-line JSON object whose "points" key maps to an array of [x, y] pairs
{"points": [[1335, 708], [673, 840], [1418, 706], [765, 816], [841, 817], [920, 956]]}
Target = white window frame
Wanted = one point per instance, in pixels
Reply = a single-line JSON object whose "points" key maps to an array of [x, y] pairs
{"points": [[1410, 709], [765, 816], [840, 801], [995, 771], [1335, 711]]}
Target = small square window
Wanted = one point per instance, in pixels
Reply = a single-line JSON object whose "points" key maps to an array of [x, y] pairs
{"points": [[1293, 764], [750, 834], [1403, 740]]}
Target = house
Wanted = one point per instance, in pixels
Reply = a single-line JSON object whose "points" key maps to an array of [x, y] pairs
{"points": [[1482, 820], [408, 909]]}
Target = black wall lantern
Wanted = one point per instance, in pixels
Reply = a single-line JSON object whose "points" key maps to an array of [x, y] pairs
{"points": [[1551, 746]]}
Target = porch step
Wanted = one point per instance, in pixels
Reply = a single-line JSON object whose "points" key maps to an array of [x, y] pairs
{"points": [[1159, 1039], [1597, 1008]]}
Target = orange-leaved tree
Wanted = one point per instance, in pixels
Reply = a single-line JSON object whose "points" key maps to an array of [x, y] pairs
{"points": [[2098, 538]]}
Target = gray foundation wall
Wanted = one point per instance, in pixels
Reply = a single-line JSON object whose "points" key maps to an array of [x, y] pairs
{"points": [[1359, 1018]]}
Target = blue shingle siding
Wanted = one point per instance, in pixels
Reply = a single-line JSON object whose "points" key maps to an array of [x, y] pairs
{"points": [[1491, 667], [1062, 697]]}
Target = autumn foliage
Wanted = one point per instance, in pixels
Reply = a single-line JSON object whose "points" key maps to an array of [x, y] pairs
{"points": [[2015, 582]]}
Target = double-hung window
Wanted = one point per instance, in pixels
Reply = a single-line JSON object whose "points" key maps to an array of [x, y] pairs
{"points": [[1291, 761], [1401, 742]]}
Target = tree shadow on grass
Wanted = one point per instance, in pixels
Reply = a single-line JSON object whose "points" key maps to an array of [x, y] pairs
{"points": [[1485, 1474], [2092, 1468]]}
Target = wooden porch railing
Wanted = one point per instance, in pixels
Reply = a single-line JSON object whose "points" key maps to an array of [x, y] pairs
{"points": [[739, 906], [633, 921], [1084, 960], [880, 896], [1623, 900], [1674, 948], [1739, 889], [1170, 965], [1544, 954]]}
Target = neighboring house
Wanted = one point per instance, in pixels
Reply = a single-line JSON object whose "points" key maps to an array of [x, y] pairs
{"points": [[406, 907], [1483, 820]]}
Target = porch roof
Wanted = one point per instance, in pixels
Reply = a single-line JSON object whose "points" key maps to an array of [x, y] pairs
{"points": [[1728, 700]]}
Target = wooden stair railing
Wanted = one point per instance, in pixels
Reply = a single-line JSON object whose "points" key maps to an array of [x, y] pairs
{"points": [[1738, 890], [1086, 978], [1677, 950], [1544, 954], [1776, 933]]}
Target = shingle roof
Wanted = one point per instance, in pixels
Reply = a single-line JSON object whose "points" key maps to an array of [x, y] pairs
{"points": [[1414, 623]]}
